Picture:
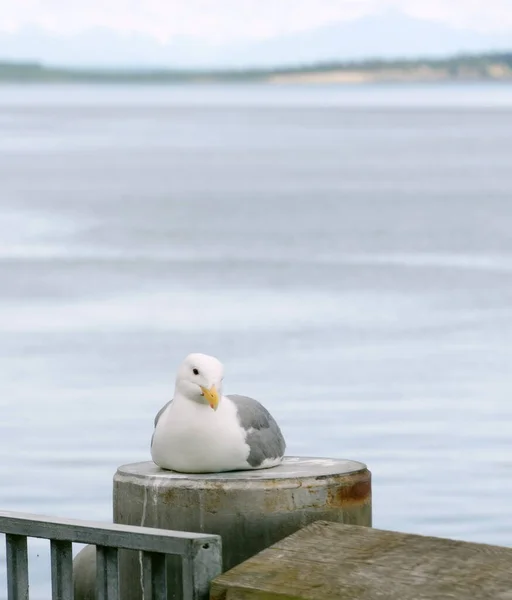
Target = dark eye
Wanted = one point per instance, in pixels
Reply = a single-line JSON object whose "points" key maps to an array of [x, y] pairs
{"points": [[195, 371]]}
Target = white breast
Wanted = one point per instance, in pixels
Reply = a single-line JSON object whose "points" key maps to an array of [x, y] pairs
{"points": [[192, 438]]}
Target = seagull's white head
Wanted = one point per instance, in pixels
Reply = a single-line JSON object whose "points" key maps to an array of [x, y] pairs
{"points": [[199, 378]]}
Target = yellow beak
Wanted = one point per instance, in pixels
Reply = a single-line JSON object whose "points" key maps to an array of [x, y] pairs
{"points": [[212, 396]]}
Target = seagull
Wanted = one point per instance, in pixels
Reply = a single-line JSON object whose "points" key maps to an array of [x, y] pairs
{"points": [[202, 431]]}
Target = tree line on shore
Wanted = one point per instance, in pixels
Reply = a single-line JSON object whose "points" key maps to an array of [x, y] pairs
{"points": [[482, 66]]}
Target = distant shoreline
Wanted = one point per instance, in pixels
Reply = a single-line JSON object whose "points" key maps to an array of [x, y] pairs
{"points": [[463, 68]]}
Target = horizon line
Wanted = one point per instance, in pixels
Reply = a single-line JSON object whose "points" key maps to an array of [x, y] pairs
{"points": [[321, 64]]}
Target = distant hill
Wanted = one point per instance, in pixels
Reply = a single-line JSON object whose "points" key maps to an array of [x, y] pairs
{"points": [[388, 35]]}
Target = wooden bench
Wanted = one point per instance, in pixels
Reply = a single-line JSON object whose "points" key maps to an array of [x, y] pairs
{"points": [[330, 561]]}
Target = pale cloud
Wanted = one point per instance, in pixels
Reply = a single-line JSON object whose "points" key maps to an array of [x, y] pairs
{"points": [[218, 21]]}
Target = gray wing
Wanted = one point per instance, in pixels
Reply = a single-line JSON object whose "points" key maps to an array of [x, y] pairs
{"points": [[158, 415], [263, 435]]}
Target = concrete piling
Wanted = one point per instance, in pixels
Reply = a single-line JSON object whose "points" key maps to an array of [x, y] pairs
{"points": [[251, 510]]}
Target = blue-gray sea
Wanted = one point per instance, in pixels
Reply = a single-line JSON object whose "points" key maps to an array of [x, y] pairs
{"points": [[346, 252]]}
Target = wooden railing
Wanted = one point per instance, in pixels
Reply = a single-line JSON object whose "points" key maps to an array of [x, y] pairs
{"points": [[201, 555]]}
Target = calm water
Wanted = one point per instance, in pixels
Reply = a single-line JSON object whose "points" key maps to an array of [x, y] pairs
{"points": [[347, 253]]}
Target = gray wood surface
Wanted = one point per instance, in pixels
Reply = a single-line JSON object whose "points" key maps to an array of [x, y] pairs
{"points": [[345, 562]]}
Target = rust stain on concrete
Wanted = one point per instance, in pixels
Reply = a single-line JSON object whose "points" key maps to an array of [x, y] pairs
{"points": [[351, 491]]}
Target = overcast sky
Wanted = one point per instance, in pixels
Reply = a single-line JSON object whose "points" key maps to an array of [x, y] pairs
{"points": [[230, 20]]}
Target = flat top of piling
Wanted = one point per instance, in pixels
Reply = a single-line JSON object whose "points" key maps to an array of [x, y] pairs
{"points": [[292, 467]]}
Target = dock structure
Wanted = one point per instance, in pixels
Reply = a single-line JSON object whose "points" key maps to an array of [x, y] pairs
{"points": [[301, 531], [332, 561]]}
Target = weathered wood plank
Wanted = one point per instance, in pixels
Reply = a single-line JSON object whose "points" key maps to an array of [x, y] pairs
{"points": [[110, 534], [346, 562]]}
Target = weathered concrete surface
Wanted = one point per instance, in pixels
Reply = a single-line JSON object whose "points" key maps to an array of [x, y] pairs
{"points": [[340, 562], [251, 510]]}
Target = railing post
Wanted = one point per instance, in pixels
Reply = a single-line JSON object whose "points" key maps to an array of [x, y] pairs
{"points": [[17, 567], [107, 573], [154, 576], [62, 570], [199, 569]]}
